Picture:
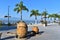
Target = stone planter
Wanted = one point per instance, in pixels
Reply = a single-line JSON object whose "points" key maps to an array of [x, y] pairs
{"points": [[21, 32], [22, 29], [35, 29], [22, 24]]}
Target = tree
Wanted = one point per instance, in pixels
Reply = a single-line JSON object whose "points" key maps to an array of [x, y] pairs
{"points": [[35, 13], [20, 7], [58, 18], [55, 16], [50, 16], [41, 18], [44, 14]]}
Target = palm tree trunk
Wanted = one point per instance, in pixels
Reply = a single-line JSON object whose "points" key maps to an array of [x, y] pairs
{"points": [[21, 15], [35, 19], [59, 21], [41, 17], [51, 19], [54, 20], [45, 21]]}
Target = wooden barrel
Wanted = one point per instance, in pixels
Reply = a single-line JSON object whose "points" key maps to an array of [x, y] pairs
{"points": [[35, 29], [21, 29]]}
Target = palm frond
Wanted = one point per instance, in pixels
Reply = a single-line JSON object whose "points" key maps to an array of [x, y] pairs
{"points": [[18, 10], [15, 9], [24, 8], [17, 5], [21, 4], [35, 13], [44, 13], [31, 15]]}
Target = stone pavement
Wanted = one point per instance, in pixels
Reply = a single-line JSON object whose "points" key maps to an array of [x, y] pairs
{"points": [[51, 32]]}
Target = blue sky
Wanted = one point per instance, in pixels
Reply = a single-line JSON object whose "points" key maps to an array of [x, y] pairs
{"points": [[52, 6]]}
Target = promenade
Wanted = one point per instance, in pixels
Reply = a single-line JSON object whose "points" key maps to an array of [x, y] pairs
{"points": [[51, 32]]}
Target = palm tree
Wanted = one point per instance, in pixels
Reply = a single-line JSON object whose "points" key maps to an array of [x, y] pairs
{"points": [[58, 18], [41, 18], [20, 7], [55, 16], [50, 16], [44, 14], [34, 13]]}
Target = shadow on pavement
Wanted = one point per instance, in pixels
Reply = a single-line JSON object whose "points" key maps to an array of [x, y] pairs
{"points": [[29, 35], [32, 33], [8, 38]]}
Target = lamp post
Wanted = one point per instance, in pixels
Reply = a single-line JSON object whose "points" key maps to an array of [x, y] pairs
{"points": [[8, 15]]}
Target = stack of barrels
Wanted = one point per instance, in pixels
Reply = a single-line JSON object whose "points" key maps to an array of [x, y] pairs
{"points": [[22, 29]]}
